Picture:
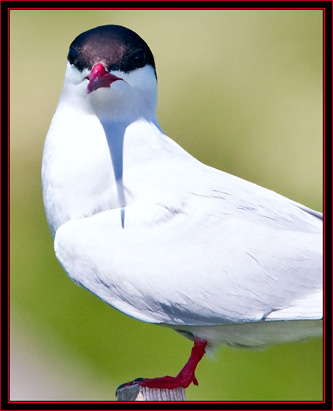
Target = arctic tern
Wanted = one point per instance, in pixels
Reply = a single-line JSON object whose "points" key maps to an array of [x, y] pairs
{"points": [[157, 234]]}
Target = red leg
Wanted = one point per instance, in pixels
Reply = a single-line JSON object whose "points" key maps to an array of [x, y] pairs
{"points": [[183, 379]]}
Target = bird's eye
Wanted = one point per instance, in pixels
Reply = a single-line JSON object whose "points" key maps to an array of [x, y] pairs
{"points": [[139, 58], [72, 56]]}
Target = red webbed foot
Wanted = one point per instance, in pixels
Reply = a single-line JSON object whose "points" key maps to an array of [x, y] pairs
{"points": [[183, 379]]}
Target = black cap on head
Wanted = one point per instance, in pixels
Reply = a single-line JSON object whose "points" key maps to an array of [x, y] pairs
{"points": [[116, 47]]}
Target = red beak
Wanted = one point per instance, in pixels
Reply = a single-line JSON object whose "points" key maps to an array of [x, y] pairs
{"points": [[99, 77]]}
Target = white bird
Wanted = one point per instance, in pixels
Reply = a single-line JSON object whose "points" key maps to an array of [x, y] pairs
{"points": [[160, 236]]}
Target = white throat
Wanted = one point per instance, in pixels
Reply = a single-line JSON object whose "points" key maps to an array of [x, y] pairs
{"points": [[85, 153]]}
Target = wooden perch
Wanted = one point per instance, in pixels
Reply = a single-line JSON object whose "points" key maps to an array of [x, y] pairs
{"points": [[138, 393]]}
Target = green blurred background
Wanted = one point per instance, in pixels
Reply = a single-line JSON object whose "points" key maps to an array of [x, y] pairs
{"points": [[241, 91]]}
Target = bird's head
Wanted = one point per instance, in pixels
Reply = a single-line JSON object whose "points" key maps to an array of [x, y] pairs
{"points": [[111, 71]]}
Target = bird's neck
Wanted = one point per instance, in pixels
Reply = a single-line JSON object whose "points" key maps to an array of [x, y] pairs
{"points": [[131, 142], [86, 164]]}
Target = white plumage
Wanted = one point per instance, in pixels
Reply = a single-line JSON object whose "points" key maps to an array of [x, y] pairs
{"points": [[166, 239]]}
